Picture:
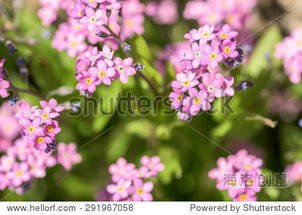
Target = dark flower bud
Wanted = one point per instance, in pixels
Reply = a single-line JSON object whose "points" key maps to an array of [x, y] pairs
{"points": [[13, 100], [244, 85]]}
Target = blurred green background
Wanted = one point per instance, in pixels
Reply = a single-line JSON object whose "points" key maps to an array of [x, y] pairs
{"points": [[188, 149]]}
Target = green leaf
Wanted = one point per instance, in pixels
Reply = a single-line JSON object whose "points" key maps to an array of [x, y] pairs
{"points": [[107, 100], [171, 160], [264, 49], [143, 54]]}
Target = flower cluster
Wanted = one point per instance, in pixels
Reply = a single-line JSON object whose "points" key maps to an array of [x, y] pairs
{"points": [[290, 51], [39, 125], [129, 183], [239, 175], [101, 67], [162, 12], [294, 173], [22, 163], [216, 12], [49, 10], [93, 21], [200, 82], [4, 84]]}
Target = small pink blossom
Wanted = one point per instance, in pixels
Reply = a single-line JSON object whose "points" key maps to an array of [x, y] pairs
{"points": [[124, 68], [67, 155]]}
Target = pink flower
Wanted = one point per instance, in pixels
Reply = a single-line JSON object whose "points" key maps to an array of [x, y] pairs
{"points": [[67, 155], [93, 55], [177, 99], [211, 55], [76, 44], [229, 49], [121, 170], [185, 81], [87, 82], [142, 191], [204, 34], [40, 142], [216, 85], [32, 127], [4, 85], [197, 101], [124, 68], [53, 105], [294, 172], [93, 19], [107, 53], [120, 190], [244, 169], [104, 74], [153, 164], [52, 129], [19, 174], [226, 33]]}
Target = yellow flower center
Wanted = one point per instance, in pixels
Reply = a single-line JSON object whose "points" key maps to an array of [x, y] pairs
{"points": [[243, 197], [139, 191], [186, 83], [196, 100], [91, 0], [73, 44], [45, 116], [19, 173], [227, 50], [206, 34], [213, 56], [230, 19], [298, 43], [31, 129], [40, 140], [49, 129], [102, 74], [223, 35], [88, 81], [120, 189], [129, 23], [249, 182], [248, 167], [179, 98]]}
